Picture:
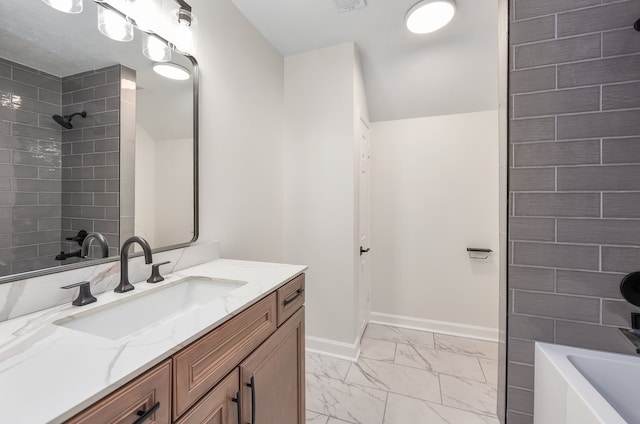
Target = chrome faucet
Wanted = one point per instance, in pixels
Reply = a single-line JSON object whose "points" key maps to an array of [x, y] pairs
{"points": [[125, 285], [102, 241]]}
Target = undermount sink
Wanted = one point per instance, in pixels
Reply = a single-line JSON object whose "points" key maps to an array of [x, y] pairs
{"points": [[585, 386], [141, 310]]}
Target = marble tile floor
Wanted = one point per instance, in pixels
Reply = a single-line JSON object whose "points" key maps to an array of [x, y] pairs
{"points": [[405, 377]]}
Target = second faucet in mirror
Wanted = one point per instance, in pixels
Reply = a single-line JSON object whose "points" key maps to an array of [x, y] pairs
{"points": [[102, 241]]}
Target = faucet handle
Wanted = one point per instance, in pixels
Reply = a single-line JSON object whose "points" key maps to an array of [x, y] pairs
{"points": [[155, 273], [84, 296]]}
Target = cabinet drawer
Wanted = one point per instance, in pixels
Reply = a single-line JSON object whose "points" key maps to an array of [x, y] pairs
{"points": [[128, 403], [201, 365], [290, 298], [218, 406]]}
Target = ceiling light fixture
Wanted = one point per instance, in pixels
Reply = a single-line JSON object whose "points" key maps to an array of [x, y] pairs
{"points": [[171, 71], [66, 6], [430, 15], [113, 25]]}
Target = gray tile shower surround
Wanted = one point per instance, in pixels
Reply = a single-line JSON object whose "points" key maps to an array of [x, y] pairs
{"points": [[574, 226], [54, 182], [91, 156], [30, 168]]}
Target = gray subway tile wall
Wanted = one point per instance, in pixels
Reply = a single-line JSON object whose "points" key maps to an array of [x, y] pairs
{"points": [[574, 225], [30, 162], [86, 194]]}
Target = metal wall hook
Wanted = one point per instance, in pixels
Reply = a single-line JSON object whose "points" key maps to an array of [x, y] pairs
{"points": [[637, 25]]}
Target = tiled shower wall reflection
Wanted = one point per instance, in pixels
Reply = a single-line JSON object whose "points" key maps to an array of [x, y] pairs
{"points": [[53, 181], [574, 179], [29, 168], [91, 156]]}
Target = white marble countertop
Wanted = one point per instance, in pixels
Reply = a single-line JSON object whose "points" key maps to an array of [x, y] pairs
{"points": [[48, 373]]}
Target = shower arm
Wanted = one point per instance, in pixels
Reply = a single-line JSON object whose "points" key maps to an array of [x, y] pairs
{"points": [[83, 114]]}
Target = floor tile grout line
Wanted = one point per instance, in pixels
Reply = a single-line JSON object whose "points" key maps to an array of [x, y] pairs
{"points": [[482, 369], [384, 412]]}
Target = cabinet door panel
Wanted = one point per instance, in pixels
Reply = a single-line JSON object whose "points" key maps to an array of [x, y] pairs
{"points": [[217, 407], [125, 405], [277, 368]]}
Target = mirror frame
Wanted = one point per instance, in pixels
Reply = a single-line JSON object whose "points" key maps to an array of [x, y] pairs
{"points": [[196, 203]]}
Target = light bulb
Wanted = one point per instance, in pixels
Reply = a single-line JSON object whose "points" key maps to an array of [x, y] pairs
{"points": [[144, 12], [183, 39], [155, 49], [430, 16], [67, 6], [113, 25]]}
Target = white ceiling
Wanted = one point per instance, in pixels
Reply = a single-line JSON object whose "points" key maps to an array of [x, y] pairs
{"points": [[454, 70]]}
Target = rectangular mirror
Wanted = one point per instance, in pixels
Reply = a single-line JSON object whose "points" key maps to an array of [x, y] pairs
{"points": [[92, 138]]}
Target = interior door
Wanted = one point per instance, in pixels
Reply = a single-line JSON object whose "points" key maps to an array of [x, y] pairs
{"points": [[364, 283]]}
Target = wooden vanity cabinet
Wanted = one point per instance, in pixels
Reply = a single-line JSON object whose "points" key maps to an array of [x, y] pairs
{"points": [[252, 364]]}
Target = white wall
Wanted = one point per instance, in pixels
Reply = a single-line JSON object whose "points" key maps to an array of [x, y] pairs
{"points": [[319, 185], [145, 186], [434, 193], [164, 209], [174, 204], [241, 119]]}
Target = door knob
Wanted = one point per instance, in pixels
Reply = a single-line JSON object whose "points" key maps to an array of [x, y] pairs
{"points": [[363, 250]]}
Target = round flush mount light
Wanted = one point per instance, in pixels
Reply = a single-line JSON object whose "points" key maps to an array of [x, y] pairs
{"points": [[430, 15], [172, 71]]}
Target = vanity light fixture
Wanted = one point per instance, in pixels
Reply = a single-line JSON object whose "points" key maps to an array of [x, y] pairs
{"points": [[66, 6], [183, 36], [171, 71], [155, 49], [430, 15], [113, 25]]}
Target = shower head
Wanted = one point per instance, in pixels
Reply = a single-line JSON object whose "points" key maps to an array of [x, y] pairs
{"points": [[65, 121]]}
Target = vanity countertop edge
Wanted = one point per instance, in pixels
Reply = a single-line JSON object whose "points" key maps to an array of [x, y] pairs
{"points": [[49, 373]]}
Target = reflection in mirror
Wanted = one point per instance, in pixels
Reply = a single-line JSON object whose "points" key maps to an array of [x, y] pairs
{"points": [[91, 139]]}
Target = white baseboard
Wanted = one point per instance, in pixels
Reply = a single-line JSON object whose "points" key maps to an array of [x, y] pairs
{"points": [[349, 351], [451, 328]]}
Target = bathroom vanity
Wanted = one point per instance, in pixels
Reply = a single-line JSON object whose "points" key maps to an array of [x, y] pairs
{"points": [[220, 377], [236, 356]]}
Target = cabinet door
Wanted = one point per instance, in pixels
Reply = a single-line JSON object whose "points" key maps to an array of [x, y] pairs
{"points": [[272, 377], [219, 406]]}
